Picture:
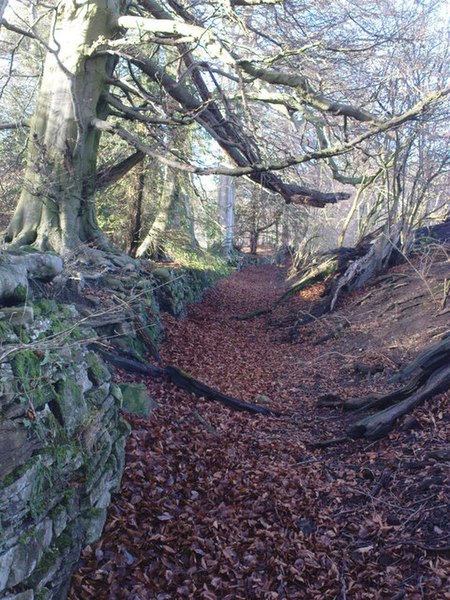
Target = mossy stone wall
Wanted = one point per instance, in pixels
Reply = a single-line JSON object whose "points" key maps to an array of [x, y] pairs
{"points": [[61, 436], [61, 453]]}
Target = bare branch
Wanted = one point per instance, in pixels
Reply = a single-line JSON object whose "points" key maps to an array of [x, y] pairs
{"points": [[307, 94], [262, 167], [110, 175], [3, 4], [14, 125], [254, 2], [172, 27]]}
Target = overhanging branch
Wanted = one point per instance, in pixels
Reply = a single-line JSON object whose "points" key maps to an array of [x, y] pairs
{"points": [[264, 167], [306, 92], [291, 192]]}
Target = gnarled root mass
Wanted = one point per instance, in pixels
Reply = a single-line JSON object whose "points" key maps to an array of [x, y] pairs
{"points": [[432, 376]]}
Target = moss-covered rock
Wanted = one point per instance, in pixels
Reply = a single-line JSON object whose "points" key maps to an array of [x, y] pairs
{"points": [[136, 399]]}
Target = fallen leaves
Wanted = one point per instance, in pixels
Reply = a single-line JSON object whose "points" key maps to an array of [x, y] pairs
{"points": [[246, 508]]}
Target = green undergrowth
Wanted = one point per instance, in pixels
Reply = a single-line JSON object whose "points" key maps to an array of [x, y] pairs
{"points": [[198, 259]]}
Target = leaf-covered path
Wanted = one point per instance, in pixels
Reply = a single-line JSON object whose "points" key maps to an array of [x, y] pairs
{"points": [[228, 505]]}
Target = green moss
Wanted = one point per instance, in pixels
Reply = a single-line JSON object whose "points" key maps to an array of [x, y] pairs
{"points": [[26, 365], [136, 399], [163, 274], [38, 501], [94, 513], [97, 372], [17, 473], [27, 537], [133, 345], [46, 308], [21, 293], [21, 333], [57, 511], [64, 542], [69, 495], [48, 559], [5, 330]]}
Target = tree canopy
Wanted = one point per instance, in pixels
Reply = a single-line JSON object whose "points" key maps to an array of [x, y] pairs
{"points": [[277, 86]]}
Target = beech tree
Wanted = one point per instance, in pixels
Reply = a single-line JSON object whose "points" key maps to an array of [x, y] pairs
{"points": [[106, 65]]}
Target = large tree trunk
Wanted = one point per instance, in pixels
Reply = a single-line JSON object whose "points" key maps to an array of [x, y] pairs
{"points": [[173, 220], [171, 216], [56, 209], [254, 235]]}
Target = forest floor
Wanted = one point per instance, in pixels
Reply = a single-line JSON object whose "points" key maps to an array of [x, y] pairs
{"points": [[217, 504]]}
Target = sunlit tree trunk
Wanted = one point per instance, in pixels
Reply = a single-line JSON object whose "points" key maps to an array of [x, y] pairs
{"points": [[254, 236], [173, 221], [226, 201], [56, 209], [285, 233]]}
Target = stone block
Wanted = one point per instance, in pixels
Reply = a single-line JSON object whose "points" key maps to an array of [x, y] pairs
{"points": [[72, 403]]}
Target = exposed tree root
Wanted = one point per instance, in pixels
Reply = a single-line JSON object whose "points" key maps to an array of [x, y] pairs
{"points": [[433, 377], [183, 380]]}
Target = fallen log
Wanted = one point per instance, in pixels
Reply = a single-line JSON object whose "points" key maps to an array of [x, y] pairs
{"points": [[431, 358], [201, 390], [134, 365], [317, 272], [426, 364], [429, 375], [181, 379]]}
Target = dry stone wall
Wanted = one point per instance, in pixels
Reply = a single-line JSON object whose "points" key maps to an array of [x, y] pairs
{"points": [[61, 435], [61, 450]]}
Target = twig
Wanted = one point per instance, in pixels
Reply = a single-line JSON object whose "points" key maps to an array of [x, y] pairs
{"points": [[327, 443], [206, 423], [446, 293]]}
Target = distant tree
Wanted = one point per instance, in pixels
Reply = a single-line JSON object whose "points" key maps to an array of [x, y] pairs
{"points": [[226, 203]]}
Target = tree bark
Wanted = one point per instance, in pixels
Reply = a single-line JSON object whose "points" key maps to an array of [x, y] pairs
{"points": [[136, 225], [56, 209], [380, 424], [428, 375], [171, 203], [254, 235], [226, 199], [174, 215]]}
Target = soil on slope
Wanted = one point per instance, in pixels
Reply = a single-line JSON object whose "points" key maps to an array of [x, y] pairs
{"points": [[227, 505]]}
